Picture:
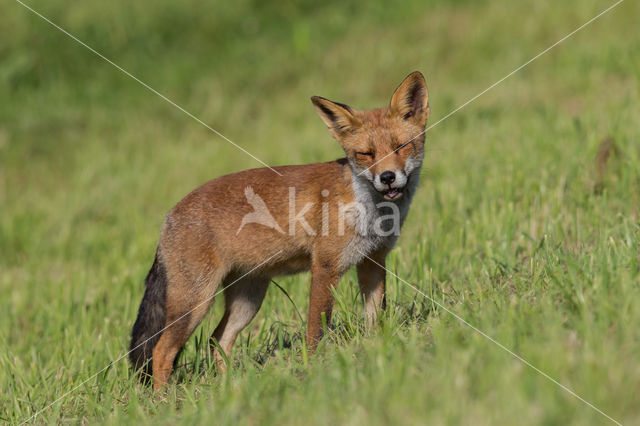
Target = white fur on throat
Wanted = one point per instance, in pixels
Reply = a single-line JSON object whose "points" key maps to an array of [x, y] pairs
{"points": [[369, 207]]}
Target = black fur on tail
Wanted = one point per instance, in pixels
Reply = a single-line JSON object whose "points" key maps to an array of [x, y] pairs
{"points": [[151, 319]]}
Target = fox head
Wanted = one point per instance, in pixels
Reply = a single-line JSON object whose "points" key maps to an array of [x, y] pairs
{"points": [[384, 146]]}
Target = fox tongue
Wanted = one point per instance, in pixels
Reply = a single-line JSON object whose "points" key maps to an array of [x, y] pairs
{"points": [[392, 193]]}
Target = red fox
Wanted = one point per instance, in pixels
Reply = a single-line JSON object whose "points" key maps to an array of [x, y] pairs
{"points": [[238, 231]]}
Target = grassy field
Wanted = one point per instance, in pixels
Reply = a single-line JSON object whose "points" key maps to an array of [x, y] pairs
{"points": [[520, 227]]}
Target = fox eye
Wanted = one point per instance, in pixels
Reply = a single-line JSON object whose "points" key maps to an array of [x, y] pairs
{"points": [[399, 147], [365, 154]]}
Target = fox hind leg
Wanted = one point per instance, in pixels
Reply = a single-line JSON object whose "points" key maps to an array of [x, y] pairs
{"points": [[242, 302], [188, 302]]}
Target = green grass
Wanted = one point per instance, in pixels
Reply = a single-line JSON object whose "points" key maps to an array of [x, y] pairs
{"points": [[513, 229]]}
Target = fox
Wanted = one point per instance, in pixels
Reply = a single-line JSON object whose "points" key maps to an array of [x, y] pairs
{"points": [[235, 233]]}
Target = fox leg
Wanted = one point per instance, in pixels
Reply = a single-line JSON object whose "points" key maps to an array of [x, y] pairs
{"points": [[242, 302], [371, 279], [324, 278], [188, 301]]}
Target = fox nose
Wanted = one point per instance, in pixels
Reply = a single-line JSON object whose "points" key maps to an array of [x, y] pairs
{"points": [[387, 177]]}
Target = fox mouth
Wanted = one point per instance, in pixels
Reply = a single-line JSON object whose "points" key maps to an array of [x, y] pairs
{"points": [[392, 193]]}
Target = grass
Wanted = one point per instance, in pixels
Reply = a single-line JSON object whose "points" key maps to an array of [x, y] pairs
{"points": [[516, 228]]}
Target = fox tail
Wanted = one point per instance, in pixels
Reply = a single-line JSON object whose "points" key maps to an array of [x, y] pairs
{"points": [[151, 319]]}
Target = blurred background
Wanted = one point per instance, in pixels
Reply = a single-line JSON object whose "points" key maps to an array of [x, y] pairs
{"points": [[78, 135], [90, 161]]}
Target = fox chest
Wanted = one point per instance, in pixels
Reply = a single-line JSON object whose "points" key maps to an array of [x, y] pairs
{"points": [[375, 227]]}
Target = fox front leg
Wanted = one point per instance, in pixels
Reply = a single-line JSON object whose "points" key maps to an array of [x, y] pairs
{"points": [[372, 281], [324, 278]]}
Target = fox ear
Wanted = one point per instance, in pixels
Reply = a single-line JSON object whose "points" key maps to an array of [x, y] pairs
{"points": [[410, 101], [338, 117]]}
